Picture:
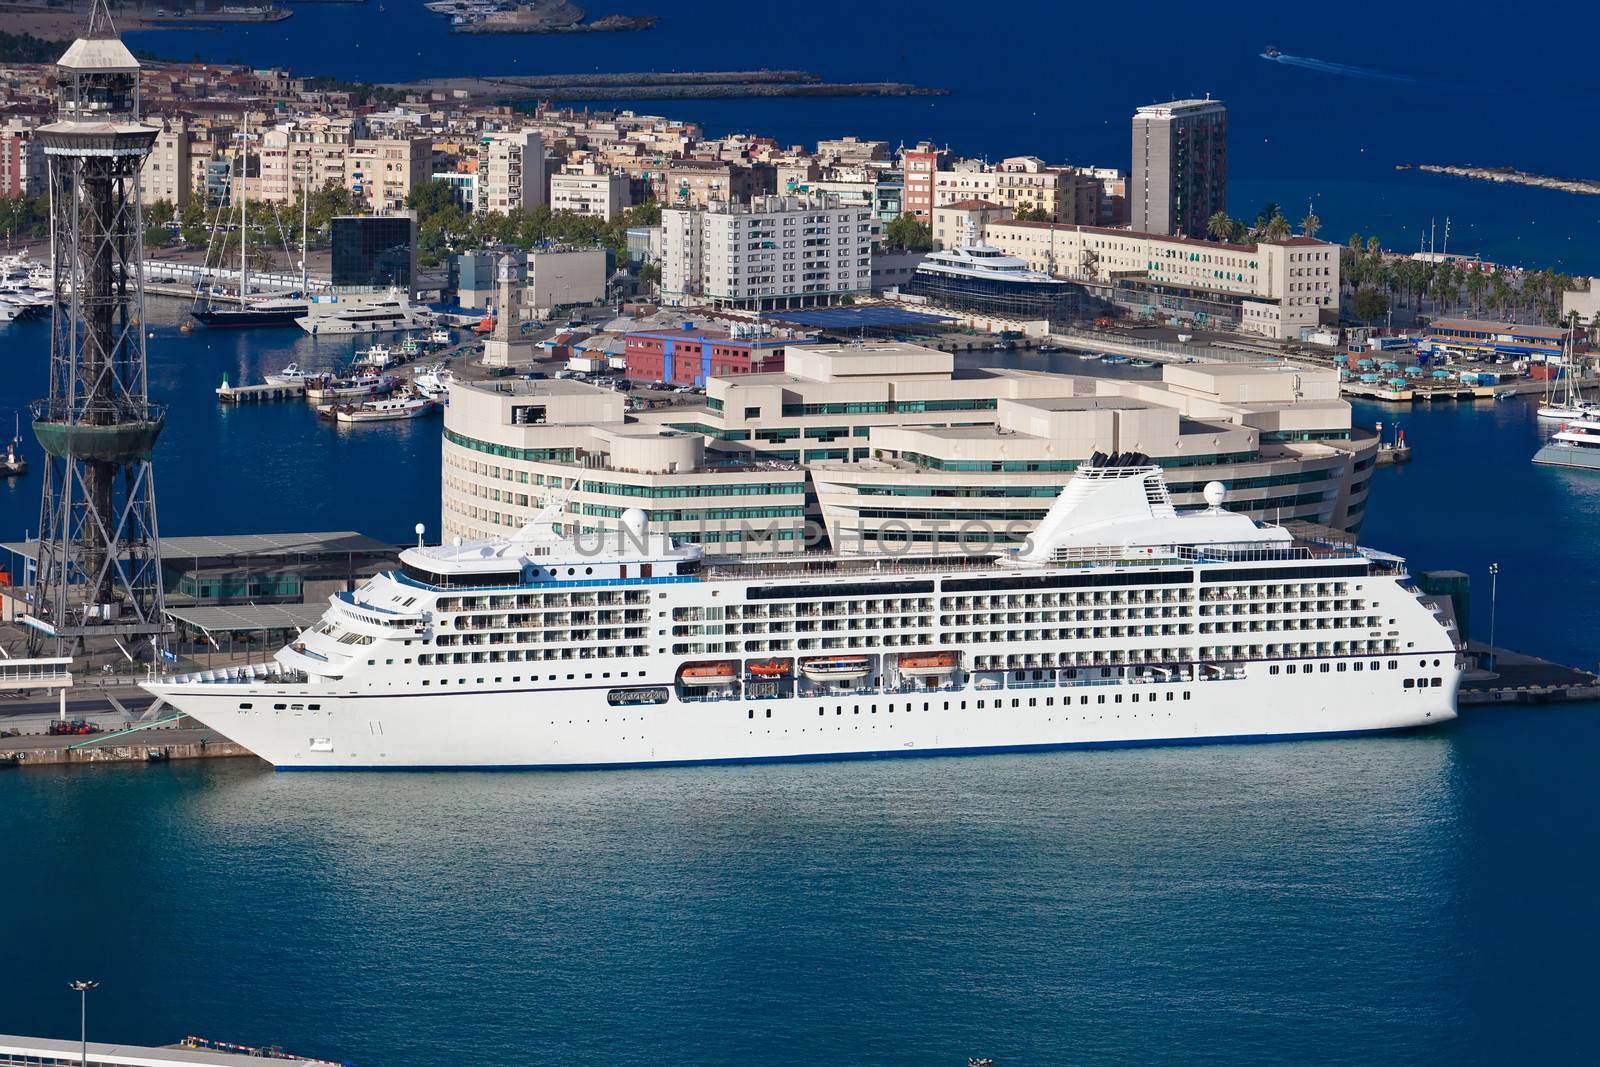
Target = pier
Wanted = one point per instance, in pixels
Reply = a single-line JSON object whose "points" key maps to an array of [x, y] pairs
{"points": [[247, 394]]}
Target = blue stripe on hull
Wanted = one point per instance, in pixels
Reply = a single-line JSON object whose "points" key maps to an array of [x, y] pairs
{"points": [[823, 757]]}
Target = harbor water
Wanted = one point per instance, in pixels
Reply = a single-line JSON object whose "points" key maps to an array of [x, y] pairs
{"points": [[1406, 899]]}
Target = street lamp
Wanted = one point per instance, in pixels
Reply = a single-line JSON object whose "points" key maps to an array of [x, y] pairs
{"points": [[83, 988], [1494, 590]]}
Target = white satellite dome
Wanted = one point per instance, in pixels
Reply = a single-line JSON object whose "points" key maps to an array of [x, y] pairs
{"points": [[636, 523], [1216, 494]]}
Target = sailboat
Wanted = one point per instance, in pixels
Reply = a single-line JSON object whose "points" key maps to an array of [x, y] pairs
{"points": [[271, 311], [1571, 405], [13, 462]]}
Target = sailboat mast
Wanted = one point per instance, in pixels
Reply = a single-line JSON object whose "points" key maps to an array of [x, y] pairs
{"points": [[244, 214], [305, 219]]}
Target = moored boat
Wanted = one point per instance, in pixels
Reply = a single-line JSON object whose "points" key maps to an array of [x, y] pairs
{"points": [[836, 668], [388, 409]]}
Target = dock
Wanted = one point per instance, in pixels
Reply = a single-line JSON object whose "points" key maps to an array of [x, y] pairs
{"points": [[157, 744], [1517, 678], [246, 394]]}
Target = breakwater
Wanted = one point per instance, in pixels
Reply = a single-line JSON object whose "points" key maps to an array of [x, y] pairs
{"points": [[1511, 176], [682, 85]]}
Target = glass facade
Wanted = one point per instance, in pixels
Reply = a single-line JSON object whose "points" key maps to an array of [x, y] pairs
{"points": [[374, 252]]}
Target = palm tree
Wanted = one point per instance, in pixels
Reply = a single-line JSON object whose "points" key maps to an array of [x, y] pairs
{"points": [[1310, 224], [1276, 229], [1220, 226]]}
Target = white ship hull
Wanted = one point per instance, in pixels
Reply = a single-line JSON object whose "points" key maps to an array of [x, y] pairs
{"points": [[1123, 623], [577, 728]]}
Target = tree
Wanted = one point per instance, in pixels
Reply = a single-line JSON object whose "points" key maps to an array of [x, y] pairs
{"points": [[1026, 212], [1220, 226], [906, 234], [1276, 228], [1310, 224], [1371, 305], [650, 274], [155, 236]]}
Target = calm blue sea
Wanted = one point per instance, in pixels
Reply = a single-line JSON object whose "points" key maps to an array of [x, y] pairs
{"points": [[1356, 93]]}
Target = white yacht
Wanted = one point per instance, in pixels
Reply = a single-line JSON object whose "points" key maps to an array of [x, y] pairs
{"points": [[391, 313], [290, 375], [980, 277], [433, 381], [1576, 444], [1121, 621]]}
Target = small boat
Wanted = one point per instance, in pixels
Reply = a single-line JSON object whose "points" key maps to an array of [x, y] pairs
{"points": [[1088, 355], [408, 406], [1143, 363], [350, 388], [485, 325], [927, 664], [1271, 52], [836, 668], [1111, 359], [772, 668], [290, 375], [440, 336], [433, 382], [708, 674], [14, 463], [377, 357]]}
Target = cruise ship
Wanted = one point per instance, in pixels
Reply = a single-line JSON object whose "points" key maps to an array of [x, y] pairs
{"points": [[980, 277], [1121, 621]]}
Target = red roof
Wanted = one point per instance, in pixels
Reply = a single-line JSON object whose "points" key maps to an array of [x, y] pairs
{"points": [[970, 204]]}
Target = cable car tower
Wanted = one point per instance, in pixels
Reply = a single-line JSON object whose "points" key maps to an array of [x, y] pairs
{"points": [[99, 567]]}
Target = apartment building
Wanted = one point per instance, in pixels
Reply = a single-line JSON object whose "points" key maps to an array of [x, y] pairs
{"points": [[918, 169], [1274, 289], [849, 151], [382, 171], [588, 189], [167, 173], [770, 252], [700, 182], [22, 167], [956, 222], [1180, 166], [1021, 183], [511, 172], [294, 155]]}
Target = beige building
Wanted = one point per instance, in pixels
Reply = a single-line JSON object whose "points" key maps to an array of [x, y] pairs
{"points": [[511, 172], [588, 189], [893, 445], [312, 152], [1021, 183], [963, 221], [384, 170], [1274, 289], [513, 446], [167, 173], [771, 252], [565, 278]]}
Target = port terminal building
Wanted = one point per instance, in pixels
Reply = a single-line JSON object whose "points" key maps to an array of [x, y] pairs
{"points": [[867, 446], [1275, 289]]}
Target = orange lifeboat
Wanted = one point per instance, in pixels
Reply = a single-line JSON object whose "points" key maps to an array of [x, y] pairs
{"points": [[772, 668], [485, 325], [921, 664], [708, 674]]}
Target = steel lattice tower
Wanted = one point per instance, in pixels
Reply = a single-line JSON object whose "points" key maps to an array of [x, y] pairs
{"points": [[99, 566]]}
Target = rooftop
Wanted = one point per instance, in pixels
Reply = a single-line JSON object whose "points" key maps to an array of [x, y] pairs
{"points": [[1551, 333], [284, 545]]}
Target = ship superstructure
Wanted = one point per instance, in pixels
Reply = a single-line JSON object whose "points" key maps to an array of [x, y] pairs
{"points": [[1122, 621]]}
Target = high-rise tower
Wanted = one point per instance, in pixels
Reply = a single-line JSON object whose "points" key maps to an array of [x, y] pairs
{"points": [[99, 566], [1180, 167]]}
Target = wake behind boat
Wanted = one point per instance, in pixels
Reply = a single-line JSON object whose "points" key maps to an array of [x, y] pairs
{"points": [[1120, 621]]}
